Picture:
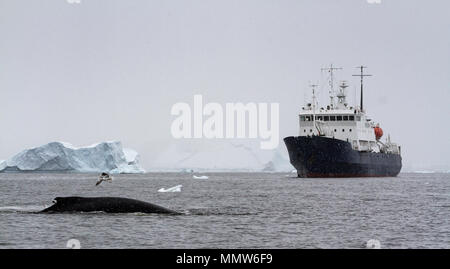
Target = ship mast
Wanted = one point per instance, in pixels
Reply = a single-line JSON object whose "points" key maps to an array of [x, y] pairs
{"points": [[313, 86], [362, 75], [331, 69]]}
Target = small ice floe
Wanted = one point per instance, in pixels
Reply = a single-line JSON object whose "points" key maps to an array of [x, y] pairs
{"points": [[424, 172], [294, 171], [177, 188], [199, 177], [373, 244]]}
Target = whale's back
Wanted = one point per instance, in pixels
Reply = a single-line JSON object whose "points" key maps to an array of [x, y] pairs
{"points": [[105, 204]]}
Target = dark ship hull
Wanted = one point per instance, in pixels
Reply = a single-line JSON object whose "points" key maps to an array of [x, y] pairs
{"points": [[318, 156]]}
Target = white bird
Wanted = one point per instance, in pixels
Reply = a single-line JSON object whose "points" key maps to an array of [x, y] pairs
{"points": [[104, 177]]}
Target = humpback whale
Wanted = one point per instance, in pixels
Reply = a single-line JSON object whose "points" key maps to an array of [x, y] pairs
{"points": [[104, 204]]}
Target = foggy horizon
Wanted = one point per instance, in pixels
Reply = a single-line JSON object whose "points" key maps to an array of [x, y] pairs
{"points": [[112, 70]]}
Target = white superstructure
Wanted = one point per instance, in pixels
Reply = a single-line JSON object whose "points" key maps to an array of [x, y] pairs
{"points": [[340, 121]]}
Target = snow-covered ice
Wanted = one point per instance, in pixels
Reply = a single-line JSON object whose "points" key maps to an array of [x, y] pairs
{"points": [[2, 165], [108, 157], [199, 177], [177, 188]]}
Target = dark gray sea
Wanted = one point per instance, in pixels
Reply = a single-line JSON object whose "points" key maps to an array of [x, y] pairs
{"points": [[231, 210]]}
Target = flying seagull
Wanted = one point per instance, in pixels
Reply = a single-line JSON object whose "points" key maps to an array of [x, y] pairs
{"points": [[103, 177]]}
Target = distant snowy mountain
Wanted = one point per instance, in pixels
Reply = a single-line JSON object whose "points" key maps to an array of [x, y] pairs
{"points": [[221, 155], [59, 156]]}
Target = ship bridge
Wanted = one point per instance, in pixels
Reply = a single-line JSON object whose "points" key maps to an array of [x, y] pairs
{"points": [[350, 125]]}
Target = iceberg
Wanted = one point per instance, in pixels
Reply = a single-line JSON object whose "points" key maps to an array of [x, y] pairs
{"points": [[108, 157], [2, 165]]}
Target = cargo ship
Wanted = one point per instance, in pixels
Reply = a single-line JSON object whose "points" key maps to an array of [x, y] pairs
{"points": [[340, 140]]}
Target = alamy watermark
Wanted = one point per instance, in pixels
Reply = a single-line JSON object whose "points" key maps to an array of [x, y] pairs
{"points": [[373, 244], [236, 120], [73, 244]]}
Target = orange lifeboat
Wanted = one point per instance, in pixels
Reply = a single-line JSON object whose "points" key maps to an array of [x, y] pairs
{"points": [[378, 132]]}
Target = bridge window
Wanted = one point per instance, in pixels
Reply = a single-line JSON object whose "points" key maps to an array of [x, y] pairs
{"points": [[352, 118], [358, 118], [332, 118], [319, 117], [302, 118], [304, 130], [308, 118], [326, 118], [339, 118], [345, 118]]}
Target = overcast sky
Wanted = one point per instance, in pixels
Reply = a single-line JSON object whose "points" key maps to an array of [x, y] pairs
{"points": [[111, 70]]}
